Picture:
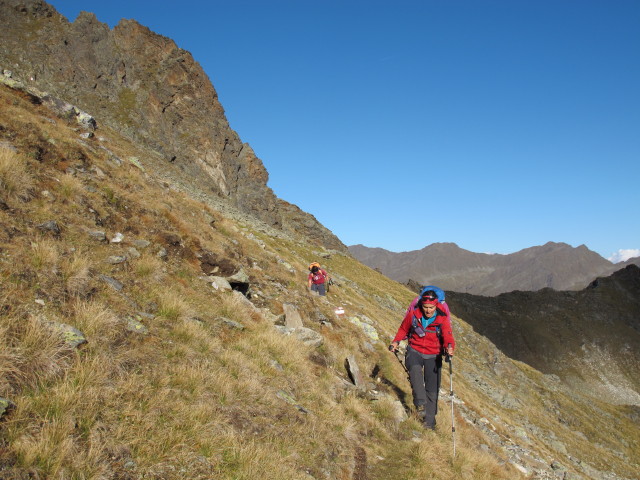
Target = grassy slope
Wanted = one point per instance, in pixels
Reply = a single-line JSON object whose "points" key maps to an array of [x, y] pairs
{"points": [[196, 398]]}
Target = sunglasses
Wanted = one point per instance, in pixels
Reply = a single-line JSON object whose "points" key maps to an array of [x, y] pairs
{"points": [[429, 298]]}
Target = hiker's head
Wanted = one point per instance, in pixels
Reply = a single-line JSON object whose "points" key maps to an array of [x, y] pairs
{"points": [[314, 269], [429, 299]]}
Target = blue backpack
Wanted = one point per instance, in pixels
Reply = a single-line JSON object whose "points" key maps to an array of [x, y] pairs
{"points": [[439, 293]]}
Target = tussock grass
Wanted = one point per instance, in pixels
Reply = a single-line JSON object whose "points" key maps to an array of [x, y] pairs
{"points": [[69, 187], [76, 274], [32, 353], [69, 415], [48, 450], [16, 182], [147, 266], [44, 254], [172, 305], [96, 321]]}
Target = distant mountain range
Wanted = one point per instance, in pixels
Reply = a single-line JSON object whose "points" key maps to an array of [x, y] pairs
{"points": [[554, 265], [574, 335]]}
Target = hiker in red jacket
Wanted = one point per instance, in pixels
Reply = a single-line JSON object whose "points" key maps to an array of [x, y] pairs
{"points": [[317, 279], [428, 329]]}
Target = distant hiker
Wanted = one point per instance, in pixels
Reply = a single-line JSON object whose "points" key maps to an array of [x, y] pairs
{"points": [[317, 279], [428, 328]]}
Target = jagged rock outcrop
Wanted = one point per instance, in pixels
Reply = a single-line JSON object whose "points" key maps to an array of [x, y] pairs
{"points": [[144, 86]]}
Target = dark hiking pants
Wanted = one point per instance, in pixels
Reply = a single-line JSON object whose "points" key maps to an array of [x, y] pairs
{"points": [[319, 288], [424, 373]]}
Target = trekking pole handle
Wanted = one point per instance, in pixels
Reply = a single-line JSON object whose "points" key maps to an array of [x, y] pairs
{"points": [[447, 355]]}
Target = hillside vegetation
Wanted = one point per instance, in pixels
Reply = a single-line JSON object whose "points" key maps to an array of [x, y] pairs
{"points": [[178, 379]]}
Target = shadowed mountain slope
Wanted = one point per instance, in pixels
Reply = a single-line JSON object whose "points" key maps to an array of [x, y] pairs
{"points": [[589, 338], [553, 265]]}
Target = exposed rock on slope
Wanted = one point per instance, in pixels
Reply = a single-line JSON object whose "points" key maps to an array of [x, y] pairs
{"points": [[553, 265], [144, 86]]}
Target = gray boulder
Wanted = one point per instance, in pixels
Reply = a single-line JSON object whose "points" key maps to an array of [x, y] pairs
{"points": [[71, 335], [98, 235], [231, 323], [309, 337], [136, 326], [292, 316], [112, 282], [116, 259], [50, 226], [354, 372], [142, 244], [219, 283]]}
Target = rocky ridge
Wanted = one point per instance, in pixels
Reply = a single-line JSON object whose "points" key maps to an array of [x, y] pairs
{"points": [[142, 85]]}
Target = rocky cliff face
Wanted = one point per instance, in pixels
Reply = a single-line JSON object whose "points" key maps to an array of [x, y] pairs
{"points": [[144, 86]]}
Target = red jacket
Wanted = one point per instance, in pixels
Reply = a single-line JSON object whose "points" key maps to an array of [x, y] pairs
{"points": [[318, 277], [429, 344]]}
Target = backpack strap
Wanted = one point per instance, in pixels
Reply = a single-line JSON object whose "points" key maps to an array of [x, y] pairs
{"points": [[416, 325], [437, 329]]}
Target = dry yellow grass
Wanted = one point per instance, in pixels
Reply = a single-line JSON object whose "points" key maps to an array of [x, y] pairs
{"points": [[16, 182], [76, 273], [32, 358], [69, 187], [197, 398], [44, 255], [172, 306]]}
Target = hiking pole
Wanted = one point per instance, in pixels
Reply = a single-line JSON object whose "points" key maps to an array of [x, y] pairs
{"points": [[453, 425], [395, 352]]}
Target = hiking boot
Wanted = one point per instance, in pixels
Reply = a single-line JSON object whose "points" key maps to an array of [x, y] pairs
{"points": [[430, 427], [420, 411]]}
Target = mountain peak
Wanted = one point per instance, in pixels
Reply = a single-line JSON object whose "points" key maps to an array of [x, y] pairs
{"points": [[151, 91]]}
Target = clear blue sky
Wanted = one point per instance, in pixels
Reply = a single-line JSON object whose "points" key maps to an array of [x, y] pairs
{"points": [[494, 124]]}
